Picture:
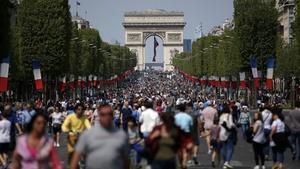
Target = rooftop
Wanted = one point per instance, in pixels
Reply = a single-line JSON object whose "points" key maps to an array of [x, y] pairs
{"points": [[154, 12]]}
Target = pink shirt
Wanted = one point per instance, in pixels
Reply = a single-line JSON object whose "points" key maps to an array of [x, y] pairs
{"points": [[43, 157]]}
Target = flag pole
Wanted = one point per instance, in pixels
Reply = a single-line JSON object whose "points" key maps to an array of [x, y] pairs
{"points": [[76, 7]]}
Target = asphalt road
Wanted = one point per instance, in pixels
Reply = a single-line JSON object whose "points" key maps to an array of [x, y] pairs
{"points": [[243, 157]]}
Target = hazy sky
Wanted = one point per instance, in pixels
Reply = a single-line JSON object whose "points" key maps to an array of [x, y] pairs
{"points": [[107, 16]]}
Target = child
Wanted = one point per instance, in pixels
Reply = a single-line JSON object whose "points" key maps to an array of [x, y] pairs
{"points": [[244, 120], [215, 142], [134, 138], [5, 126]]}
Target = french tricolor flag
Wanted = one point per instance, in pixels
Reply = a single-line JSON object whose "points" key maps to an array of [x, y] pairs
{"points": [[270, 72], [36, 65], [253, 64], [79, 83], [90, 81], [62, 83], [95, 81], [242, 80], [71, 82], [4, 68]]}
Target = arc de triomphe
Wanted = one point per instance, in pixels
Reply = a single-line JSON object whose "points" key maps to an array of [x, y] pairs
{"points": [[139, 26]]}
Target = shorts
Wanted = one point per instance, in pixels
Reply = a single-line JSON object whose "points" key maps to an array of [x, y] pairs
{"points": [[56, 129], [4, 148], [215, 145], [186, 140], [207, 132]]}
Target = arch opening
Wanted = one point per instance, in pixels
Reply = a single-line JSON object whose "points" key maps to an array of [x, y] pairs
{"points": [[149, 53]]}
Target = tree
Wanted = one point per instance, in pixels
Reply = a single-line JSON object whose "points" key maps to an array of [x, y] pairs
{"points": [[297, 24], [89, 54], [44, 30], [256, 24], [5, 28], [45, 33]]}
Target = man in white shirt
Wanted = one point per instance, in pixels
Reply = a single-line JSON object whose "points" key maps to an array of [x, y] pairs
{"points": [[267, 119], [148, 119]]}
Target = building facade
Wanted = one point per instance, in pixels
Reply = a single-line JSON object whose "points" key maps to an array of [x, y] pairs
{"points": [[80, 22], [187, 45], [228, 24], [287, 13]]}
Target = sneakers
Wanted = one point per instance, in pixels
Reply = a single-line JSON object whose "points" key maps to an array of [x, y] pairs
{"points": [[227, 166], [256, 167], [57, 145], [195, 160], [294, 156], [263, 167], [213, 164]]}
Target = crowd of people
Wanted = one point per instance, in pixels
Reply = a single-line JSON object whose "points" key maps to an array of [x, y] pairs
{"points": [[159, 117]]}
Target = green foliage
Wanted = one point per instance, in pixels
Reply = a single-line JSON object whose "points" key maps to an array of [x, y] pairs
{"points": [[211, 55], [297, 24], [287, 60], [44, 28], [256, 30], [5, 28]]}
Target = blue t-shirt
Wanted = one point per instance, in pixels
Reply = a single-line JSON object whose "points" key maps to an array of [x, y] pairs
{"points": [[28, 115], [136, 115], [126, 112], [13, 120], [184, 121]]}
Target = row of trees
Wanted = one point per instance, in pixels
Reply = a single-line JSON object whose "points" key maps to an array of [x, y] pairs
{"points": [[44, 31], [255, 34]]}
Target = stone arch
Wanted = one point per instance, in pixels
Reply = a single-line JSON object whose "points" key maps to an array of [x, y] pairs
{"points": [[161, 35], [139, 26]]}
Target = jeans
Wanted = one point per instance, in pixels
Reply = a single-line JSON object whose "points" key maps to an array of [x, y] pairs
{"points": [[146, 134], [267, 144], [295, 141], [138, 149], [258, 153], [278, 156], [227, 149], [245, 127], [125, 126]]}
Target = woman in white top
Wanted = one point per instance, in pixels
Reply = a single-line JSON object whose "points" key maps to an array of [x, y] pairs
{"points": [[258, 140], [57, 120], [5, 126], [226, 136], [278, 139]]}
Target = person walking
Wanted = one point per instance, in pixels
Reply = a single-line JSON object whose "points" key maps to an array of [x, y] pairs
{"points": [[185, 122], [35, 150], [258, 141], [227, 136], [148, 119], [104, 146], [74, 125], [207, 116], [126, 112], [164, 143], [215, 142], [5, 127], [135, 140], [267, 121], [294, 125], [57, 120], [244, 120], [278, 139]]}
